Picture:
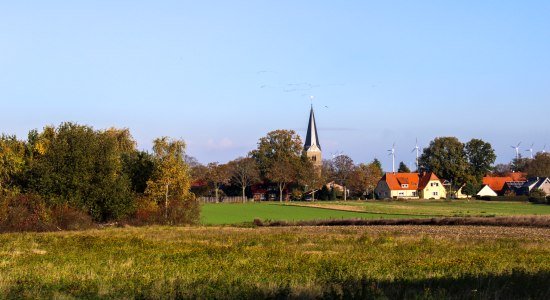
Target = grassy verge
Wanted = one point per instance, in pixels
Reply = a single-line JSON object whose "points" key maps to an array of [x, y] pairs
{"points": [[252, 263]]}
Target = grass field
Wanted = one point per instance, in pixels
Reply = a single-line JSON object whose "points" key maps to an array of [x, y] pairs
{"points": [[252, 263], [218, 214]]}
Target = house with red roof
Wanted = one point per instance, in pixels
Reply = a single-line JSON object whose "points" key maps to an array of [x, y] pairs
{"points": [[410, 186]]}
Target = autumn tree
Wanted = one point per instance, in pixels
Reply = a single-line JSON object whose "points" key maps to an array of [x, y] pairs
{"points": [[278, 157], [244, 173], [480, 156], [217, 175], [446, 157], [343, 167], [170, 180], [365, 177]]}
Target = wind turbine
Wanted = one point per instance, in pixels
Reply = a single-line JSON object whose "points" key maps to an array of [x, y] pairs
{"points": [[392, 154], [517, 149], [531, 150], [417, 149]]}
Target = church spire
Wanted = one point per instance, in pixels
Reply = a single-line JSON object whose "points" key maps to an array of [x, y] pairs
{"points": [[312, 138]]}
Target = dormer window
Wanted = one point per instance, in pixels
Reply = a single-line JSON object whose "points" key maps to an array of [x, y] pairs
{"points": [[405, 186]]}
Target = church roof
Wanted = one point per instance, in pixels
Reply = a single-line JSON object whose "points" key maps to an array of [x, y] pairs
{"points": [[312, 138]]}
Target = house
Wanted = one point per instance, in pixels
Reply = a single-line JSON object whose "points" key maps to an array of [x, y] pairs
{"points": [[513, 188], [410, 186], [486, 191], [541, 183], [497, 183]]}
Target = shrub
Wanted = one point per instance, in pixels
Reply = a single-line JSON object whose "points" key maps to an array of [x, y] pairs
{"points": [[538, 196], [28, 212], [68, 218], [24, 212], [180, 212]]}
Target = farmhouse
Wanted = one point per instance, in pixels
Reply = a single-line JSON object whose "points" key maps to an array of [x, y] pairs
{"points": [[410, 186]]}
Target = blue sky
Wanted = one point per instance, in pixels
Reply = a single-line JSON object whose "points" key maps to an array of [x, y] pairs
{"points": [[221, 74]]}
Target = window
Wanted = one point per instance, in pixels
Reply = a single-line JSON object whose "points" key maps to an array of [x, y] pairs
{"points": [[314, 158], [436, 194], [401, 194], [434, 184], [404, 186], [414, 194]]}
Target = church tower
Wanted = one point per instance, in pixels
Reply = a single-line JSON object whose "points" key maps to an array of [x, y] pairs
{"points": [[312, 146]]}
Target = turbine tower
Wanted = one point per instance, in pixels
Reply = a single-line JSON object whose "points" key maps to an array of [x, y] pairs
{"points": [[417, 149], [517, 149], [392, 154], [531, 150]]}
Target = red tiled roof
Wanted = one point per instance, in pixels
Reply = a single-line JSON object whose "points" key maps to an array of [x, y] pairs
{"points": [[496, 183], [426, 178]]}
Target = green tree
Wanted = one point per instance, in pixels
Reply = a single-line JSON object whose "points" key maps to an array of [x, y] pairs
{"points": [[539, 166], [481, 157], [310, 176], [76, 165], [446, 157], [403, 168], [471, 188], [279, 157], [138, 167]]}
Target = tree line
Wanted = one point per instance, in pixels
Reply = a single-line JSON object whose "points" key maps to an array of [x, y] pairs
{"points": [[98, 173]]}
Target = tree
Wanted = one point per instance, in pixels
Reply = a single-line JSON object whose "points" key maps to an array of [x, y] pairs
{"points": [[171, 179], [447, 159], [12, 162], [278, 157], [138, 167], [502, 170], [481, 157], [75, 165], [244, 173], [519, 164], [343, 167], [403, 168], [310, 176], [471, 188], [539, 166], [374, 174], [217, 175]]}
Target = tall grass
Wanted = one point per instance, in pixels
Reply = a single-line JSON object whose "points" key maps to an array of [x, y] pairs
{"points": [[252, 263]]}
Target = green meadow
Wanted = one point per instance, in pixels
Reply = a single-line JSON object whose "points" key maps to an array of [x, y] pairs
{"points": [[220, 214]]}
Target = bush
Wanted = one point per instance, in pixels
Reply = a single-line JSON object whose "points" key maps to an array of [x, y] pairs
{"points": [[504, 198], [180, 212], [538, 196], [24, 212], [68, 218], [28, 212]]}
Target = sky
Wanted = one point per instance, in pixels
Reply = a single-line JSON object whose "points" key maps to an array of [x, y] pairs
{"points": [[222, 74]]}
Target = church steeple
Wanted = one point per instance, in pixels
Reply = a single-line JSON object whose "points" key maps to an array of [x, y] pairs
{"points": [[312, 145]]}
